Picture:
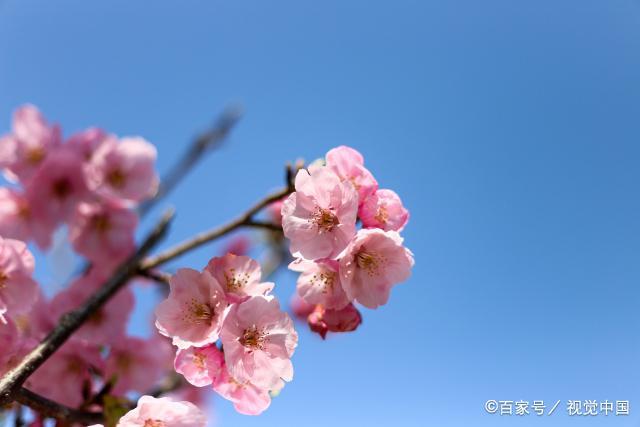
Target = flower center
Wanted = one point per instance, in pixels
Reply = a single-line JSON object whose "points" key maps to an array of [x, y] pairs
{"points": [[23, 210], [3, 280], [326, 280], [253, 338], [235, 282], [75, 365], [116, 178], [61, 188], [124, 361], [101, 223], [199, 312], [325, 219], [35, 155], [382, 216], [369, 262], [153, 423], [199, 360]]}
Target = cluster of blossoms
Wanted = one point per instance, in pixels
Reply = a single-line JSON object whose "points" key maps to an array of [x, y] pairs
{"points": [[227, 301], [339, 263], [227, 328], [91, 183]]}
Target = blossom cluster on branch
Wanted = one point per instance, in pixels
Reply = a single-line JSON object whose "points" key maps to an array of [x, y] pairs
{"points": [[220, 326], [338, 263]]}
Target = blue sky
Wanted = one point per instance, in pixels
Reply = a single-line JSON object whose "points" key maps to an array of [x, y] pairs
{"points": [[510, 129]]}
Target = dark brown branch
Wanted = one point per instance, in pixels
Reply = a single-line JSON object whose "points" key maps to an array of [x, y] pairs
{"points": [[157, 276], [244, 220], [70, 322], [201, 145], [51, 409]]}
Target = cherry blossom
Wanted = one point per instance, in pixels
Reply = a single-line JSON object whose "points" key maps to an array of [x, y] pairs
{"points": [[87, 142], [275, 211], [103, 232], [9, 341], [384, 210], [19, 221], [137, 364], [237, 245], [18, 291], [319, 218], [22, 151], [64, 375], [374, 261], [259, 340], [299, 307], [239, 276], [247, 398], [349, 165], [200, 365], [194, 311], [57, 186], [320, 283], [163, 412], [346, 319], [124, 169], [108, 323]]}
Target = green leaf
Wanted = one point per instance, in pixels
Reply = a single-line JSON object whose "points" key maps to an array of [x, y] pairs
{"points": [[114, 409]]}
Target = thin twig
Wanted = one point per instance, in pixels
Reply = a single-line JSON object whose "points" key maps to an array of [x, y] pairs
{"points": [[51, 409], [11, 382], [156, 275], [201, 145], [244, 220]]}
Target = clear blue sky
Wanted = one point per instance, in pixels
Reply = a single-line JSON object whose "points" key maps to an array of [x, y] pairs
{"points": [[510, 129]]}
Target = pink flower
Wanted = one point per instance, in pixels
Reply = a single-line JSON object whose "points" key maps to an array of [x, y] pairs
{"points": [[163, 412], [22, 152], [17, 220], [137, 364], [38, 321], [247, 398], [103, 232], [124, 169], [21, 347], [237, 245], [239, 276], [374, 261], [194, 311], [65, 374], [259, 340], [384, 210], [320, 217], [87, 142], [300, 308], [319, 283], [346, 319], [57, 187], [108, 324], [18, 291], [200, 365], [349, 165], [9, 341], [275, 211]]}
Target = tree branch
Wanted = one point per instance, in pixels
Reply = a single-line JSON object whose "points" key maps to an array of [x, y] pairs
{"points": [[51, 409], [70, 322], [244, 220], [202, 144]]}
